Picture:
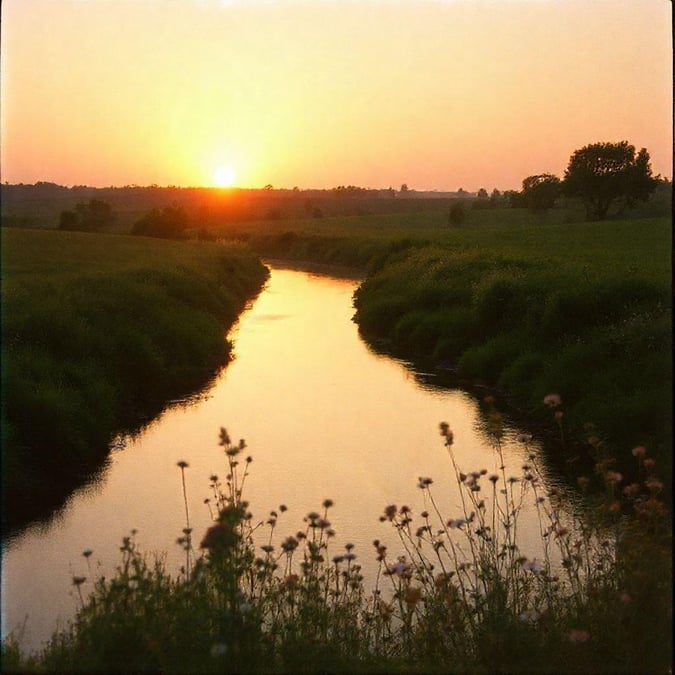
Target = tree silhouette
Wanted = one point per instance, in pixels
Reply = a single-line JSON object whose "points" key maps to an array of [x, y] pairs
{"points": [[604, 173], [541, 191], [89, 217]]}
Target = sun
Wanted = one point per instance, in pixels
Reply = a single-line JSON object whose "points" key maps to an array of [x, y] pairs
{"points": [[224, 176]]}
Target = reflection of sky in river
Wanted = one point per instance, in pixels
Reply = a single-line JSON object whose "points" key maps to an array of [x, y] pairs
{"points": [[323, 416]]}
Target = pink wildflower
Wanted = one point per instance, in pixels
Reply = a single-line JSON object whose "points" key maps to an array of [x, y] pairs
{"points": [[552, 400]]}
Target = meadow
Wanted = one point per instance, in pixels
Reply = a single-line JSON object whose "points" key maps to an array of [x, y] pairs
{"points": [[98, 333], [101, 330], [525, 303]]}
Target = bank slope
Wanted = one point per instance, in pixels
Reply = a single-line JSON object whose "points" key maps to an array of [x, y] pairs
{"points": [[98, 333]]}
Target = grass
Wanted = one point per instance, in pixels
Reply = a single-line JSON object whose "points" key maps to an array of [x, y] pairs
{"points": [[98, 332], [459, 594], [525, 303]]}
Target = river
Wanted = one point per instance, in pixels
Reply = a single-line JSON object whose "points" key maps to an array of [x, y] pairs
{"points": [[323, 417]]}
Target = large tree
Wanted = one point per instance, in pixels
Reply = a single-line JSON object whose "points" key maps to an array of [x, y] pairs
{"points": [[540, 192], [605, 173]]}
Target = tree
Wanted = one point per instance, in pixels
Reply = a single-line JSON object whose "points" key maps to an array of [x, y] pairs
{"points": [[457, 213], [482, 200], [604, 173], [540, 192], [89, 217], [169, 223]]}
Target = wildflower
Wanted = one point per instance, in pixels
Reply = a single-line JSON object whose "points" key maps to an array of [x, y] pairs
{"points": [[447, 433], [577, 635], [86, 553], [456, 523], [291, 581], [530, 616], [649, 463], [631, 490], [182, 464], [399, 568], [218, 649], [613, 477], [552, 400], [524, 438], [283, 507], [267, 548], [327, 503], [533, 566], [219, 537], [493, 477], [640, 451], [390, 511], [654, 484], [349, 556], [224, 437], [559, 415], [78, 581], [424, 483], [412, 596], [289, 544]]}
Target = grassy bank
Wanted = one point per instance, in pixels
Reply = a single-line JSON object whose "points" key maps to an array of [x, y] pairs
{"points": [[458, 595], [529, 308], [98, 333]]}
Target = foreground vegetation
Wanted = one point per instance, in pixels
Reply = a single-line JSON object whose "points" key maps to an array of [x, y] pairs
{"points": [[98, 333], [459, 594]]}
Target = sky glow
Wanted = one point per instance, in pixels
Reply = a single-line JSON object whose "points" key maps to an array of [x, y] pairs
{"points": [[438, 94]]}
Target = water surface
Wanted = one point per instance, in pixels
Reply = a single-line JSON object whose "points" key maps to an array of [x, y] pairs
{"points": [[323, 417]]}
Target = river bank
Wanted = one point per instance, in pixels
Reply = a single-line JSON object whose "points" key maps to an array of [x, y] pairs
{"points": [[98, 333], [578, 309]]}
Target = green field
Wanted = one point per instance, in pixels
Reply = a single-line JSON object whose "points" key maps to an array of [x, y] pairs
{"points": [[527, 303], [98, 333]]}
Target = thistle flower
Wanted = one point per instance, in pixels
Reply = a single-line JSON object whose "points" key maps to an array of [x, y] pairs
{"points": [[182, 464], [640, 451], [533, 566], [552, 400]]}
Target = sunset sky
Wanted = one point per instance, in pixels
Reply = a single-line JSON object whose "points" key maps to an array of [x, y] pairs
{"points": [[438, 94]]}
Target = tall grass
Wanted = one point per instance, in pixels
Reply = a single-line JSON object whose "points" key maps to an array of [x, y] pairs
{"points": [[586, 311], [459, 594], [98, 332]]}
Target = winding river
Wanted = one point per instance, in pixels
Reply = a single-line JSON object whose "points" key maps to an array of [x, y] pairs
{"points": [[323, 417]]}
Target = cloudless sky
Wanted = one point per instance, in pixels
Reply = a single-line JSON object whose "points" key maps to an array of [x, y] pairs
{"points": [[439, 94]]}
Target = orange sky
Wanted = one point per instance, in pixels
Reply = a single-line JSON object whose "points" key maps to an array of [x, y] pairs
{"points": [[439, 94]]}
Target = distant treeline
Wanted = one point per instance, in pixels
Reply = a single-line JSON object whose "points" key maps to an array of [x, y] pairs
{"points": [[42, 204]]}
